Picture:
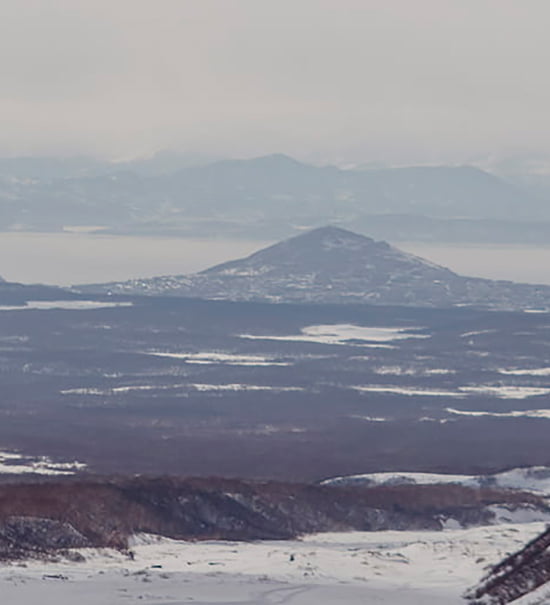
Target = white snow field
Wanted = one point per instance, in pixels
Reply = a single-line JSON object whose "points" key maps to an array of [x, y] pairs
{"points": [[387, 568]]}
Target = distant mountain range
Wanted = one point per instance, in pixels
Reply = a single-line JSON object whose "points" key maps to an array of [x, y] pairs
{"points": [[333, 265], [267, 197]]}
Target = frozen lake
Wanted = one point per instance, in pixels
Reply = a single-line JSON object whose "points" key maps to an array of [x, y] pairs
{"points": [[75, 258]]}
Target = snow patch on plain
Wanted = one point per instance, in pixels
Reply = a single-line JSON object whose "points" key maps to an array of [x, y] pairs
{"points": [[215, 357], [506, 391], [477, 333], [73, 305], [346, 334], [122, 389], [196, 386], [400, 371], [242, 387], [544, 414], [14, 464], [500, 392], [409, 391], [525, 372], [371, 418]]}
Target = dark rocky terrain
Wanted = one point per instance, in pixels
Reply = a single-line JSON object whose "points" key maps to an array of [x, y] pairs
{"points": [[51, 516], [332, 265]]}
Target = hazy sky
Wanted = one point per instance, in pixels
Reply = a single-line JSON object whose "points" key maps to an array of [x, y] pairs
{"points": [[334, 80]]}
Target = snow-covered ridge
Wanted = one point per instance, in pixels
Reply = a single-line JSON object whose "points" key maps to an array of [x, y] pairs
{"points": [[534, 479]]}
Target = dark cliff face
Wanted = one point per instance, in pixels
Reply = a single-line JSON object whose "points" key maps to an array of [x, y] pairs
{"points": [[52, 515]]}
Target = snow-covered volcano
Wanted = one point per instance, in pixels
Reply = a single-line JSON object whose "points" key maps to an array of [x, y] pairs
{"points": [[333, 265]]}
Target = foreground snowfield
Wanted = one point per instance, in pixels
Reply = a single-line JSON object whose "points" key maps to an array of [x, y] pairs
{"points": [[394, 568]]}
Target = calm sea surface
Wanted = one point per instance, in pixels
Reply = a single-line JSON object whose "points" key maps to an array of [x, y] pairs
{"points": [[75, 258], [530, 264]]}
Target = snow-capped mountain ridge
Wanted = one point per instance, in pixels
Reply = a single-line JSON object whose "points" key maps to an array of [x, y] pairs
{"points": [[534, 479]]}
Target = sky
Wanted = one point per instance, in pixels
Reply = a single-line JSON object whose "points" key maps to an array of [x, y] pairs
{"points": [[323, 80]]}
